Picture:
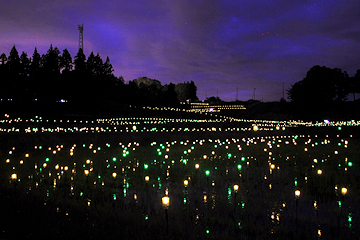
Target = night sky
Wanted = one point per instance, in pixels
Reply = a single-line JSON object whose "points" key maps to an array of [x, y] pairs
{"points": [[220, 45]]}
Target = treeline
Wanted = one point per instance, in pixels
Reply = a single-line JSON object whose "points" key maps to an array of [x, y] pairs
{"points": [[55, 77], [324, 93], [323, 85]]}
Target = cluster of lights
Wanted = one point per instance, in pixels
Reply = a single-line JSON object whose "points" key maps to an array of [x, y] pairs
{"points": [[117, 165], [153, 125]]}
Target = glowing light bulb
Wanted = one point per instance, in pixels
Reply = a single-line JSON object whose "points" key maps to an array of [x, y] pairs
{"points": [[165, 201], [344, 191]]}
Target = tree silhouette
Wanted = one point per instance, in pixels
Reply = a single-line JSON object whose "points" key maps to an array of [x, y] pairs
{"points": [[35, 64], [321, 85], [12, 83], [3, 59], [13, 61], [24, 65], [91, 65], [80, 61], [186, 91], [66, 63], [83, 82], [108, 68], [213, 100], [51, 61], [354, 83], [170, 96]]}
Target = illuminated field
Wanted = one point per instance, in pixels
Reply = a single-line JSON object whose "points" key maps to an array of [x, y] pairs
{"points": [[225, 179]]}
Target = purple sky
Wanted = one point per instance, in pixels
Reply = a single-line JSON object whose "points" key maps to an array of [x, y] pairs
{"points": [[220, 45]]}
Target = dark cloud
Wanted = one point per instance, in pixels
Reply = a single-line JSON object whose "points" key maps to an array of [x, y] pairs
{"points": [[220, 45]]}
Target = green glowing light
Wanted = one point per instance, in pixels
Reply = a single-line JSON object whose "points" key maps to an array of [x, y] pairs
{"points": [[349, 218], [350, 164], [47, 159], [243, 159], [146, 217], [339, 202], [146, 166], [229, 155], [207, 231], [184, 200], [207, 172], [114, 196], [114, 159], [239, 167]]}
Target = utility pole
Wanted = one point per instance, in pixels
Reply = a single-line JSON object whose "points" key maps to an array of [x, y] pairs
{"points": [[81, 37], [253, 96]]}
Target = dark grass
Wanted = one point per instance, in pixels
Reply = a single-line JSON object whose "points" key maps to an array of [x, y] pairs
{"points": [[24, 214]]}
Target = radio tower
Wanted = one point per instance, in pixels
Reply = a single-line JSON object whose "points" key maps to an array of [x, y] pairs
{"points": [[81, 37]]}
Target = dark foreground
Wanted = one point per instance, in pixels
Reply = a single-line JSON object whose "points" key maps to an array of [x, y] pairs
{"points": [[51, 203]]}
